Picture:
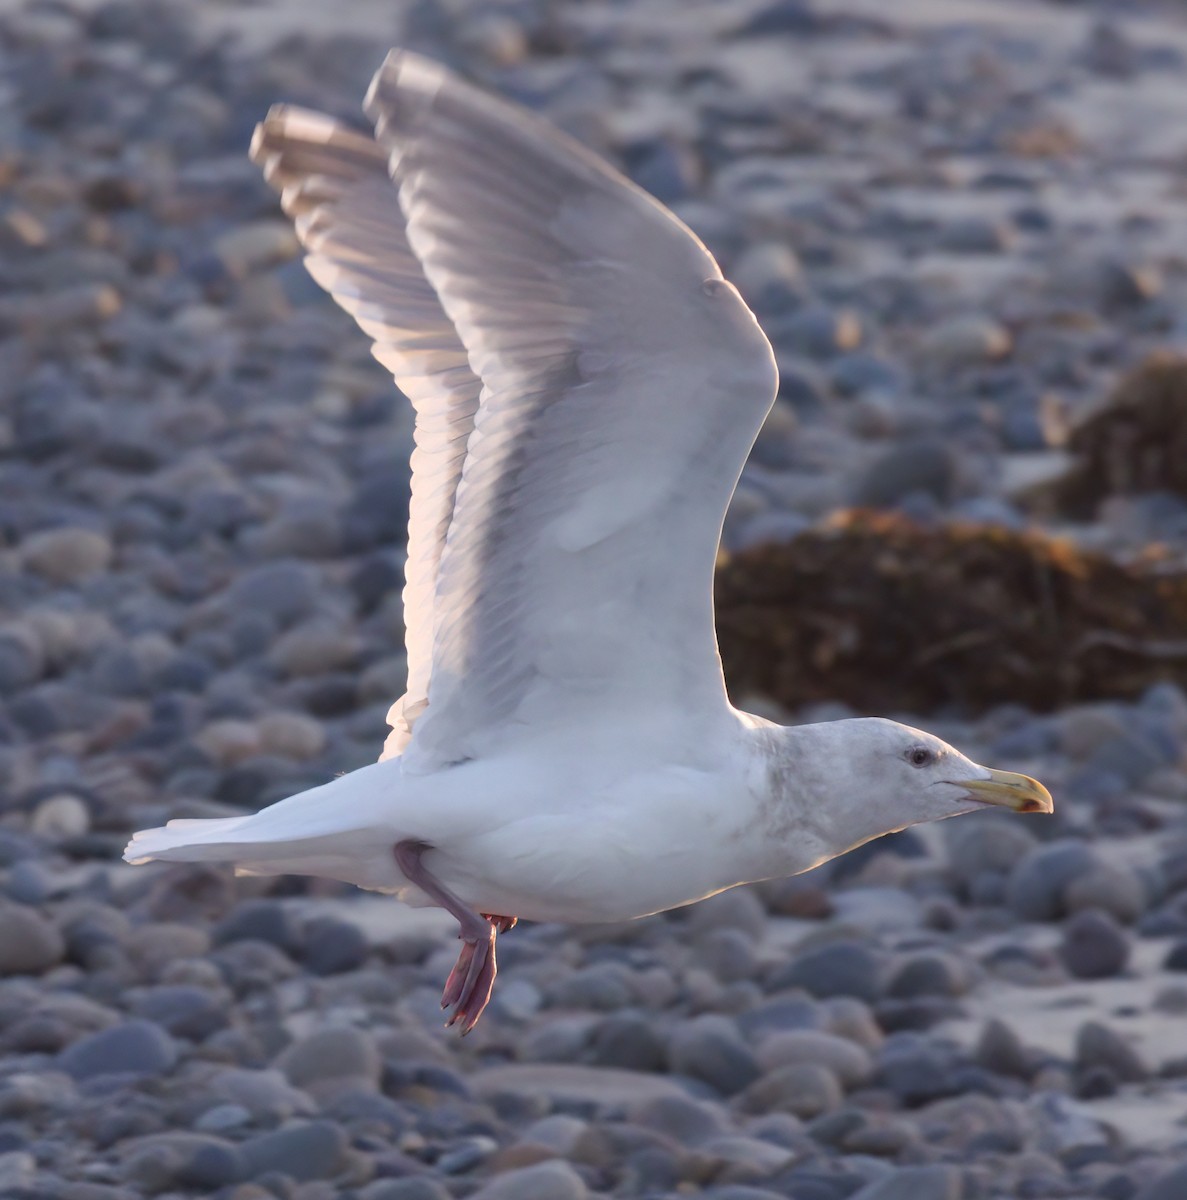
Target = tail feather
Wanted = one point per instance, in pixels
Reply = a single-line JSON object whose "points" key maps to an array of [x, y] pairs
{"points": [[186, 840]]}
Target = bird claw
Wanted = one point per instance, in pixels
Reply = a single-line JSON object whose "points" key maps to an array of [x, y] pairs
{"points": [[502, 924], [468, 988]]}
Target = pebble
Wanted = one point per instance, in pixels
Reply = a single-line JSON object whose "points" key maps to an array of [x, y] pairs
{"points": [[331, 1054], [314, 649], [134, 1047], [260, 920], [267, 1095], [404, 1189], [183, 1010], [1000, 1049], [284, 590], [915, 1183], [1036, 889], [331, 947], [929, 974], [1099, 1045], [22, 657], [709, 1048], [965, 341], [30, 944], [1093, 945], [1172, 1185], [61, 816], [291, 735], [849, 1062], [806, 1089], [67, 556], [1114, 890], [924, 468], [628, 1040], [303, 1151], [838, 969], [544, 1181]]}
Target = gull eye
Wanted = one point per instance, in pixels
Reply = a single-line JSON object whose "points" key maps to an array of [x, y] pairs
{"points": [[920, 756]]}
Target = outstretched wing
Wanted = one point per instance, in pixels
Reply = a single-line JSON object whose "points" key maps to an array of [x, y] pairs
{"points": [[622, 384], [334, 183]]}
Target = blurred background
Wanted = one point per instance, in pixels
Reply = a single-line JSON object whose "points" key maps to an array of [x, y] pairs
{"points": [[962, 224]]}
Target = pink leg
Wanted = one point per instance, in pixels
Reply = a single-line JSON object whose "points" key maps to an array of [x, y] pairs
{"points": [[469, 985], [502, 924]]}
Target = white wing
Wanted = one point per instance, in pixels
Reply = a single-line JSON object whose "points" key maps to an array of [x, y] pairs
{"points": [[334, 183], [622, 384]]}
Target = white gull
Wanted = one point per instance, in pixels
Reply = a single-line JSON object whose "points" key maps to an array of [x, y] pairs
{"points": [[587, 387]]}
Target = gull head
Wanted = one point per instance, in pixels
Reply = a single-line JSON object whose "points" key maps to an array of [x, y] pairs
{"points": [[921, 773], [857, 779]]}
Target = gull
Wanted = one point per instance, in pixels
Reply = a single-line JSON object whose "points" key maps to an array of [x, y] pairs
{"points": [[587, 387]]}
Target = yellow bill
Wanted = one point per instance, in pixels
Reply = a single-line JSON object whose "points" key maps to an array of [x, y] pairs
{"points": [[1009, 790]]}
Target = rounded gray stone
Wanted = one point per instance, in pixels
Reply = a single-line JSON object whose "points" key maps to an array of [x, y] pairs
{"points": [[331, 1054], [1099, 1045], [310, 1150], [850, 1062], [915, 1183], [543, 1181], [29, 944], [709, 1048], [837, 969], [136, 1047], [806, 1089], [68, 555], [1035, 890], [415, 1188], [1093, 946], [1171, 1186]]}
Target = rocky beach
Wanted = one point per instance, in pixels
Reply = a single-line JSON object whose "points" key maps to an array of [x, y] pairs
{"points": [[963, 224]]}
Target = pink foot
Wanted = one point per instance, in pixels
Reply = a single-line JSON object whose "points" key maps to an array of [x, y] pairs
{"points": [[468, 988], [502, 924]]}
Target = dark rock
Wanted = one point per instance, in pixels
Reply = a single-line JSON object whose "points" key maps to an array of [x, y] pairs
{"points": [[628, 1040], [914, 468], [975, 235], [135, 1047], [806, 1089], [709, 1048], [1170, 1186], [930, 974], [551, 1180], [414, 1188], [331, 947], [604, 986], [938, 1182], [782, 16], [837, 969], [859, 373], [918, 1069], [286, 591], [262, 921], [1101, 1046], [1037, 883], [1094, 946], [378, 512], [690, 1122], [189, 1012], [999, 1049], [305, 1151]]}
